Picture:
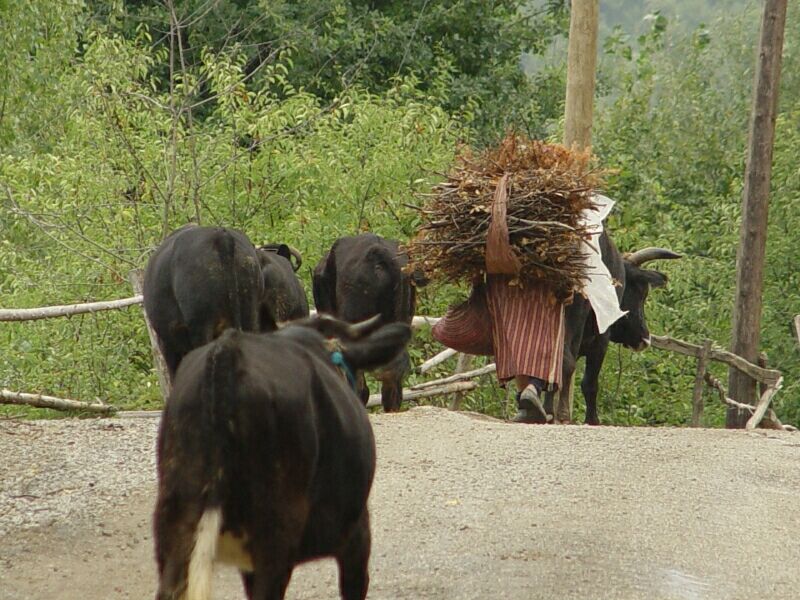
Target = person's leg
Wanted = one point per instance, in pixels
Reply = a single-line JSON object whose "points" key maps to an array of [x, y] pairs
{"points": [[529, 403]]}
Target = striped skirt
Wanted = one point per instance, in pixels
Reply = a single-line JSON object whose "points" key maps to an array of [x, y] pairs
{"points": [[527, 330]]}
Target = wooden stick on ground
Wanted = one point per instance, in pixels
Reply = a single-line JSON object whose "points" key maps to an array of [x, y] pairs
{"points": [[42, 401], [463, 376], [138, 414], [374, 399], [459, 386]]}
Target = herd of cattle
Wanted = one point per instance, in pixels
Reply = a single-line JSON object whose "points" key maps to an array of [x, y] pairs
{"points": [[265, 454]]}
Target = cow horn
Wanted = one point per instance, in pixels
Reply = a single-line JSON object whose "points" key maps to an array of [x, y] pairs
{"points": [[297, 257], [644, 255], [330, 326], [357, 330]]}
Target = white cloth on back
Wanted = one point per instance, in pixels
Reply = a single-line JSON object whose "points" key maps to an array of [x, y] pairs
{"points": [[599, 289]]}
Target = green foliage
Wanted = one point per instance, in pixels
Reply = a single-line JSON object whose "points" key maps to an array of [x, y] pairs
{"points": [[38, 41], [465, 53], [127, 164], [300, 122], [674, 125], [684, 16]]}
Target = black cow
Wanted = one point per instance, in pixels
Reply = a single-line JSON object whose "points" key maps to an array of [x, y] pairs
{"points": [[266, 460], [362, 276], [200, 281], [284, 296], [581, 336]]}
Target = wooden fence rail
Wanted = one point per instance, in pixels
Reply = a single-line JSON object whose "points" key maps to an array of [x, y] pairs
{"points": [[767, 376], [457, 383], [65, 310]]}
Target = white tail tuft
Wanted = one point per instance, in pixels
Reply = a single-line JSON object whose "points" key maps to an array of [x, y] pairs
{"points": [[201, 565]]}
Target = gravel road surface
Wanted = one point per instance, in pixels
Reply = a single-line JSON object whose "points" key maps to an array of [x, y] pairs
{"points": [[463, 507]]}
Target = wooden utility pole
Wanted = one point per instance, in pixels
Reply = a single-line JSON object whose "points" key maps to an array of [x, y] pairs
{"points": [[581, 66], [578, 111], [755, 207]]}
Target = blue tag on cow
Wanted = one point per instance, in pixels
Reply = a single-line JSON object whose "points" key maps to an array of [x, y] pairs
{"points": [[337, 358]]}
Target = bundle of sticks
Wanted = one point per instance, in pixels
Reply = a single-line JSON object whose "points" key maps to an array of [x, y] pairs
{"points": [[549, 186]]}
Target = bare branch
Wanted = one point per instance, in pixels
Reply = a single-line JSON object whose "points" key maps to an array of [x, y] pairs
{"points": [[42, 225], [768, 376], [436, 360], [117, 126], [43, 229], [461, 386], [770, 420], [490, 368], [763, 405], [65, 310], [42, 401]]}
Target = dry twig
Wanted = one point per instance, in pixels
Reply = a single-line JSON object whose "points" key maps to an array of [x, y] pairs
{"points": [[549, 187]]}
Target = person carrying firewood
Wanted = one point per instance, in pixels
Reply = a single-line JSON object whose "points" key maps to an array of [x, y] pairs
{"points": [[525, 325], [518, 224]]}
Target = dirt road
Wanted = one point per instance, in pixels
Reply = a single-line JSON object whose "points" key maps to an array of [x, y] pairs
{"points": [[463, 507]]}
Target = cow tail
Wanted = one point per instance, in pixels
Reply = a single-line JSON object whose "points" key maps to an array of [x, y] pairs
{"points": [[201, 565], [218, 420], [227, 255]]}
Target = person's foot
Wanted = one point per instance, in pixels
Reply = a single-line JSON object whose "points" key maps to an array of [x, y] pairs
{"points": [[530, 408]]}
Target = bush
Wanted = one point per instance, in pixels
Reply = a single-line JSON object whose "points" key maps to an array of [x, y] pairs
{"points": [[126, 165]]}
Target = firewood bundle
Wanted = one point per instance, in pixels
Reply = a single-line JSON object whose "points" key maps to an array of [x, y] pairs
{"points": [[548, 187]]}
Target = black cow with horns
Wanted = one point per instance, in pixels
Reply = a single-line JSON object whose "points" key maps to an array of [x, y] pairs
{"points": [[284, 296], [266, 459], [581, 334], [362, 276], [202, 280]]}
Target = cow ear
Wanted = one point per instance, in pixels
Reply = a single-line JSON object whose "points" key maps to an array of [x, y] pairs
{"points": [[654, 278], [283, 250], [378, 348]]}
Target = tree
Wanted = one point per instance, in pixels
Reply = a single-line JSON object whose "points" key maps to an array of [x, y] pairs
{"points": [[466, 53], [750, 258]]}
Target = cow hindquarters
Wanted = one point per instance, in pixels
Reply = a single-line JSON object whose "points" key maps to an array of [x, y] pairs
{"points": [[353, 561]]}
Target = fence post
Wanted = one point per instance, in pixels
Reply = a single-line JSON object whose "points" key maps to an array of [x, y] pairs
{"points": [[762, 362], [797, 327], [462, 366], [136, 278], [697, 395]]}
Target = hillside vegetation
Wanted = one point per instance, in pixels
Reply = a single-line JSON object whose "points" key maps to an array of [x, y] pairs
{"points": [[303, 121]]}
